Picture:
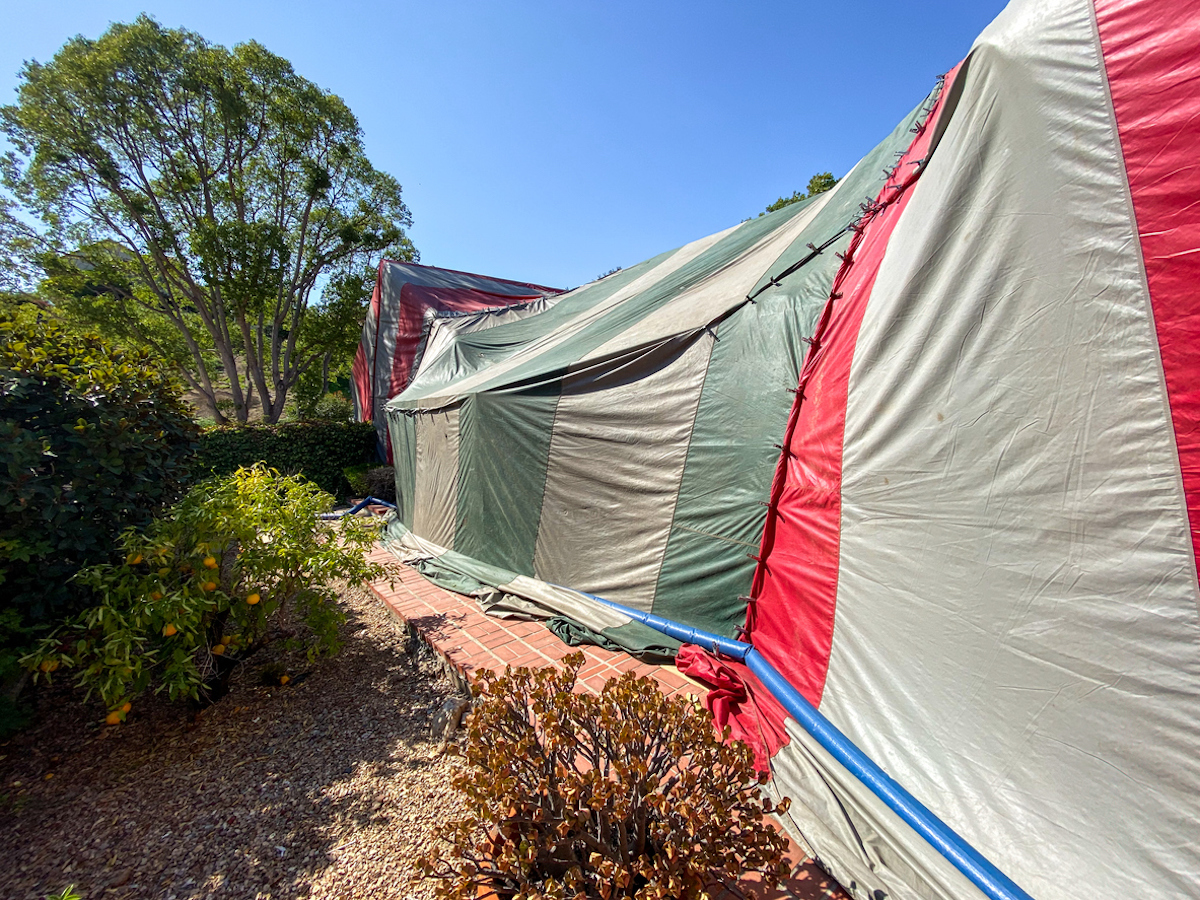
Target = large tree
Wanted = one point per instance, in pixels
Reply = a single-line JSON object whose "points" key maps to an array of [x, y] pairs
{"points": [[198, 200]]}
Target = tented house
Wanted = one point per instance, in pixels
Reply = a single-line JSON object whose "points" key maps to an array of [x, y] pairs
{"points": [[932, 439], [411, 303]]}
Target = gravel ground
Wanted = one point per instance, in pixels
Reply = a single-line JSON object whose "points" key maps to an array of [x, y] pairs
{"points": [[327, 787]]}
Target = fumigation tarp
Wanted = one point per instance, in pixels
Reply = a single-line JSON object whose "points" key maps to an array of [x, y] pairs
{"points": [[408, 304], [932, 439], [979, 555], [622, 441]]}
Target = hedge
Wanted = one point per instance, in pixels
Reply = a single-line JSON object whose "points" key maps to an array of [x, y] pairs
{"points": [[319, 451], [94, 439]]}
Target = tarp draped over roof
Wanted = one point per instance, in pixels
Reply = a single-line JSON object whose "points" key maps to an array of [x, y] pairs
{"points": [[979, 555], [622, 441], [955, 468], [408, 303]]}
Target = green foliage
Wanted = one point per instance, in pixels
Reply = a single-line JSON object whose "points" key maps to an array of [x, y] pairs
{"points": [[208, 203], [356, 477], [372, 481], [68, 893], [334, 329], [332, 407], [199, 588], [320, 451], [15, 638], [626, 794], [818, 184], [381, 483], [93, 440]]}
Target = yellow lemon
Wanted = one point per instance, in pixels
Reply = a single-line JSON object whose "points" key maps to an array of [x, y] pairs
{"points": [[253, 599], [284, 679], [133, 559], [209, 585], [218, 649], [170, 630], [49, 665], [156, 595], [210, 562], [113, 718], [127, 707]]}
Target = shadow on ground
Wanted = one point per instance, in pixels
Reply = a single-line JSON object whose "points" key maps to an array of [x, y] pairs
{"points": [[328, 787]]}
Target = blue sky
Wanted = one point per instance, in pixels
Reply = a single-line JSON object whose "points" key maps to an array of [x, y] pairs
{"points": [[550, 142]]}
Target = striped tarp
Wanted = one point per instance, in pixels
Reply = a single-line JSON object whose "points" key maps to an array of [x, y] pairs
{"points": [[979, 555], [945, 473], [408, 302], [621, 441]]}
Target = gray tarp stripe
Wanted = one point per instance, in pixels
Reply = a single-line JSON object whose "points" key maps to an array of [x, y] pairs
{"points": [[861, 842], [436, 498], [723, 287], [1016, 624], [502, 474], [618, 448], [556, 351]]}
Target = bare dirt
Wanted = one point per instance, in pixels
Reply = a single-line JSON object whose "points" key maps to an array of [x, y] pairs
{"points": [[328, 787]]}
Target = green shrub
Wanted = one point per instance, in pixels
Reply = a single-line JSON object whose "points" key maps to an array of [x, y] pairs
{"points": [[93, 440], [333, 407], [200, 586], [381, 483], [356, 477], [320, 451], [626, 794]]}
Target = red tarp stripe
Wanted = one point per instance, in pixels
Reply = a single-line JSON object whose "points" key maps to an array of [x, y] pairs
{"points": [[1151, 52], [795, 583], [363, 370], [416, 300]]}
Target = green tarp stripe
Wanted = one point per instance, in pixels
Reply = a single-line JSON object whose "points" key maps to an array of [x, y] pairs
{"points": [[731, 460], [404, 457], [502, 474]]}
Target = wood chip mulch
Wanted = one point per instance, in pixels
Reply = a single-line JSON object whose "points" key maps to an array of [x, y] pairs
{"points": [[328, 787]]}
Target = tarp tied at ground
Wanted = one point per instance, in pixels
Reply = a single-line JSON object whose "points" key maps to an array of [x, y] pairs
{"points": [[965, 453]]}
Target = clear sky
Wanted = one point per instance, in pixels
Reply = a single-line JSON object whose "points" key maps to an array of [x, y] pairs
{"points": [[552, 141]]}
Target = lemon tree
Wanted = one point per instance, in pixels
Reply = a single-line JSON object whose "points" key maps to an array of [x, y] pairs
{"points": [[198, 589]]}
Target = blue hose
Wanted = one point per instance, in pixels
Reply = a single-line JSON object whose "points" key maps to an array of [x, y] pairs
{"points": [[360, 505], [985, 876]]}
